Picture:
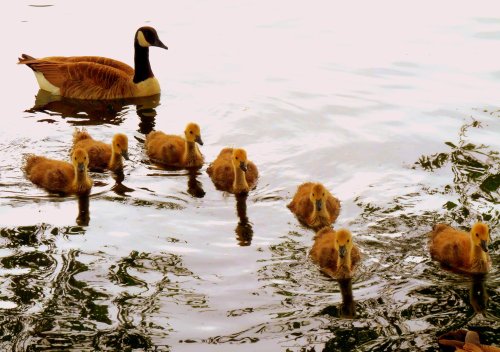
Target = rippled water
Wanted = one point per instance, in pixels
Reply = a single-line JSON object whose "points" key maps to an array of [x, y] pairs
{"points": [[393, 106]]}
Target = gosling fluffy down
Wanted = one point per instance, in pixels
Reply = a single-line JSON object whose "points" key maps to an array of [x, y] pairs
{"points": [[459, 250], [335, 253], [98, 78], [102, 156], [176, 151], [314, 205], [232, 172], [59, 176]]}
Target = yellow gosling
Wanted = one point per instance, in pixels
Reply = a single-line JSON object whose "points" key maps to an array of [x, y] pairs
{"points": [[314, 205], [102, 156], [176, 151], [459, 250], [60, 176], [232, 172]]}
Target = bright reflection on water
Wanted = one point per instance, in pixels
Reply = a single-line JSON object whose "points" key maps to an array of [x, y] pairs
{"points": [[391, 105]]}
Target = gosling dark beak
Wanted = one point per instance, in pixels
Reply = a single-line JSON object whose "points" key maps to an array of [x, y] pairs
{"points": [[319, 205], [243, 166], [342, 251], [159, 44], [125, 154], [198, 140], [81, 167], [484, 247]]}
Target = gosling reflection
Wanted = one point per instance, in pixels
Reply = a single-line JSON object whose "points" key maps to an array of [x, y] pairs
{"points": [[83, 217], [97, 112], [478, 294], [347, 307], [244, 231], [195, 188], [119, 188]]}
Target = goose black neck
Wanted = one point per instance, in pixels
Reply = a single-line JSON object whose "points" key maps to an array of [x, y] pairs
{"points": [[141, 62]]}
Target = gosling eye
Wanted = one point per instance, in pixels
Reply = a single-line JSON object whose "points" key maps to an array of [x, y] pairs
{"points": [[313, 194], [477, 235], [348, 241], [323, 194], [236, 158], [190, 132]]}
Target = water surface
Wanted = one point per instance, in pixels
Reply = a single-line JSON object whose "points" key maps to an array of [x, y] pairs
{"points": [[392, 106]]}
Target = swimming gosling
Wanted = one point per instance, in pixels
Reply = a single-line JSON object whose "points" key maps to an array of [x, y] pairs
{"points": [[102, 156], [232, 172], [176, 151], [335, 253], [59, 176], [314, 205], [459, 250], [99, 78]]}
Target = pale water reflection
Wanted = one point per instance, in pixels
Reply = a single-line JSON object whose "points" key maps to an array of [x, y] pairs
{"points": [[393, 106]]}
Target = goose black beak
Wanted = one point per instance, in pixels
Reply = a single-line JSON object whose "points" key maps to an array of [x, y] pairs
{"points": [[159, 44], [319, 205], [342, 251], [243, 166], [81, 167], [484, 247], [198, 140], [125, 154]]}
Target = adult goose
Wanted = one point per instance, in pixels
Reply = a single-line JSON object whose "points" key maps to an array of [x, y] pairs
{"points": [[99, 78]]}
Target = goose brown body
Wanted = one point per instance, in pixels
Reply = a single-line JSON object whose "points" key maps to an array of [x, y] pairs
{"points": [[335, 253], [314, 205], [59, 176], [102, 156], [99, 78], [174, 150], [459, 250], [232, 172]]}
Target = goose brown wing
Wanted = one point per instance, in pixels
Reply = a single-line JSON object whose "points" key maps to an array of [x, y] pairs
{"points": [[93, 59], [85, 80]]}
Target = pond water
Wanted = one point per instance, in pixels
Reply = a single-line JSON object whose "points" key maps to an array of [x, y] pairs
{"points": [[393, 106]]}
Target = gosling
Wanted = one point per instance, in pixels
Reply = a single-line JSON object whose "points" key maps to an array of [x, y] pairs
{"points": [[176, 151], [314, 206], [459, 250], [335, 253], [232, 172], [60, 176], [102, 156]]}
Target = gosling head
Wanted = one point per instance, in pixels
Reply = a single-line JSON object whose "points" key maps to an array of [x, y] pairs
{"points": [[343, 242], [120, 145], [318, 196], [147, 36], [192, 133], [480, 235], [240, 159], [80, 160]]}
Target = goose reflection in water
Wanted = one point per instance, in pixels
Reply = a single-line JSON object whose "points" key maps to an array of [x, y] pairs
{"points": [[243, 230], [97, 112], [347, 308], [478, 294], [83, 217]]}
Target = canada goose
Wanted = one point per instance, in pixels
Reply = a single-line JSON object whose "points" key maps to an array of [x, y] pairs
{"points": [[176, 151], [59, 176], [314, 205], [335, 252], [466, 252], [94, 77], [232, 172], [102, 156]]}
